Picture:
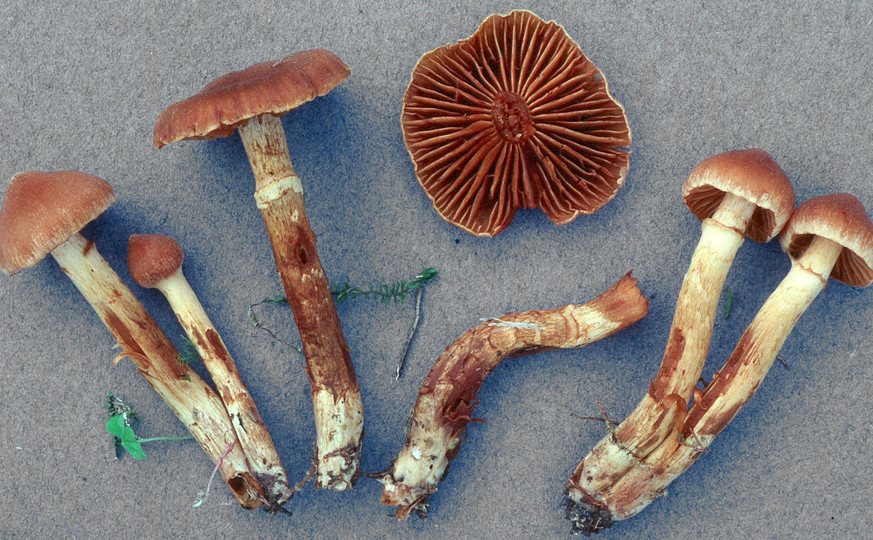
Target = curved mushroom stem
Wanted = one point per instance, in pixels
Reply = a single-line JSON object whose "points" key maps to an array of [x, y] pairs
{"points": [[191, 399], [336, 398], [448, 396], [729, 390], [249, 427], [685, 354]]}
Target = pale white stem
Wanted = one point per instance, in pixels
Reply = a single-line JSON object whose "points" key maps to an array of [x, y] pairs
{"points": [[684, 356], [250, 428]]}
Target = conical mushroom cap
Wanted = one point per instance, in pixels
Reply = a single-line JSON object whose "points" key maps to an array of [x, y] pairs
{"points": [[152, 258], [839, 217], [42, 210], [752, 174], [514, 116], [267, 87]]}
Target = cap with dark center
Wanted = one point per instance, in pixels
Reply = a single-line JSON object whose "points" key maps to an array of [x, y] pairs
{"points": [[41, 210], [268, 87], [752, 175], [839, 217], [514, 116]]}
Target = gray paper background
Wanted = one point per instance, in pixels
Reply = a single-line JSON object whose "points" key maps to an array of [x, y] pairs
{"points": [[80, 88]]}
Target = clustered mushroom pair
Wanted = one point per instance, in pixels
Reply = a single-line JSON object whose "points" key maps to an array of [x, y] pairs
{"points": [[515, 116], [736, 194]]}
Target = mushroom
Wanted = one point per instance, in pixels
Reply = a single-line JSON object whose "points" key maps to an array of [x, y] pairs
{"points": [[743, 192], [828, 236], [155, 261], [514, 116], [448, 396], [251, 102], [42, 214]]}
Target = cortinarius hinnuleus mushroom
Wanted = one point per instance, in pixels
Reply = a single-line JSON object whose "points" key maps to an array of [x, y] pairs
{"points": [[735, 194], [828, 236], [448, 395], [155, 261], [251, 101]]}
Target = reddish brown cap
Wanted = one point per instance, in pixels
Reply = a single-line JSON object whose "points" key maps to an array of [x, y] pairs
{"points": [[839, 217], [514, 116], [42, 210], [751, 174], [268, 87], [152, 258]]}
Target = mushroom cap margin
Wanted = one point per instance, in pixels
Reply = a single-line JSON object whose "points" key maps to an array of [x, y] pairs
{"points": [[752, 174], [264, 88], [840, 217], [42, 210]]}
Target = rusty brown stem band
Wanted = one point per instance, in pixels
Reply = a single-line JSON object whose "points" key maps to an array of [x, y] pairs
{"points": [[336, 396]]}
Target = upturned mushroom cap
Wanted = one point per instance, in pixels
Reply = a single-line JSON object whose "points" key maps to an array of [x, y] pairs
{"points": [[514, 116], [42, 210], [839, 217], [152, 258], [268, 87], [751, 174]]}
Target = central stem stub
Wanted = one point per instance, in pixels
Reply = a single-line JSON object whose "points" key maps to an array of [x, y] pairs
{"points": [[512, 119]]}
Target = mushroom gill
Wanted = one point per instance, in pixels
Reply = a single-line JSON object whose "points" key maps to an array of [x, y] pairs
{"points": [[514, 116]]}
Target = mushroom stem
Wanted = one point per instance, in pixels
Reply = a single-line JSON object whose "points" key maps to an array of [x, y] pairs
{"points": [[684, 356], [448, 396], [250, 429], [729, 390], [336, 397], [191, 399]]}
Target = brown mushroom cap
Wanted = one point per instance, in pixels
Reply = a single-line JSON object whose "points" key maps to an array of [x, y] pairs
{"points": [[514, 116], [752, 174], [42, 210], [841, 218], [152, 258], [267, 87]]}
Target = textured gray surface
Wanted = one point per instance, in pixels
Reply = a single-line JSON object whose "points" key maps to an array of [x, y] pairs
{"points": [[80, 88]]}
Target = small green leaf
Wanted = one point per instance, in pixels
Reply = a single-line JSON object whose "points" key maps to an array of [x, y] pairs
{"points": [[128, 435], [728, 301], [133, 448], [116, 425]]}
